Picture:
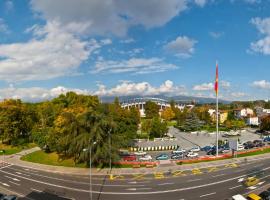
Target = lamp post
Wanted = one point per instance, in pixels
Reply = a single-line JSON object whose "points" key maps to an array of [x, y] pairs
{"points": [[90, 168], [110, 146]]}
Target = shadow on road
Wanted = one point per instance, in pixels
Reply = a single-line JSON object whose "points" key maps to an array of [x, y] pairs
{"points": [[45, 195]]}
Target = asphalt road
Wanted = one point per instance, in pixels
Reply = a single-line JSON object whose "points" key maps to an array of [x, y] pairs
{"points": [[219, 183]]}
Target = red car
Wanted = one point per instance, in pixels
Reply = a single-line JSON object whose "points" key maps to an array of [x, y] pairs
{"points": [[129, 158]]}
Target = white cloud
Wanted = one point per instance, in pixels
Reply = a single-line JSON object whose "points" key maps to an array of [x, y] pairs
{"points": [[3, 26], [106, 41], [252, 1], [204, 87], [200, 3], [36, 93], [182, 46], [262, 84], [133, 65], [262, 45], [127, 88], [215, 35], [51, 53], [238, 94], [225, 84], [108, 16], [9, 5]]}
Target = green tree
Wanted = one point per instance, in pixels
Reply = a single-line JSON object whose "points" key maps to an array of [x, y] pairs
{"points": [[265, 124], [158, 128], [191, 123], [151, 109]]}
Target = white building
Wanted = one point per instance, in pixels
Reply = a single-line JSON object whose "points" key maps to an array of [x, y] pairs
{"points": [[211, 111], [243, 112], [252, 121], [262, 111]]}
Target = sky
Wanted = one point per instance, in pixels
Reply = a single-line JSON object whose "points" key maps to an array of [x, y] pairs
{"points": [[119, 48]]}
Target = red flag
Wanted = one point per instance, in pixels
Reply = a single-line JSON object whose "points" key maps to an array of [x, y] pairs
{"points": [[216, 82]]}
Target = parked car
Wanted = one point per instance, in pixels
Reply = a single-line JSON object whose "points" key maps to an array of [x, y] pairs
{"points": [[179, 151], [225, 150], [248, 145], [140, 153], [240, 147], [146, 158], [129, 158], [206, 148], [2, 196], [266, 139], [195, 149], [258, 143], [177, 156], [265, 195], [192, 155], [10, 197], [162, 157]]}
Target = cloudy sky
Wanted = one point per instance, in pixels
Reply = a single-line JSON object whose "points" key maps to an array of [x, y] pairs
{"points": [[119, 47]]}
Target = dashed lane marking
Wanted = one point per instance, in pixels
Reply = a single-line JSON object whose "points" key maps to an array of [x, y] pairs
{"points": [[240, 180], [235, 187], [166, 184], [14, 183], [36, 190], [14, 179], [208, 194], [159, 175], [5, 184], [252, 187]]}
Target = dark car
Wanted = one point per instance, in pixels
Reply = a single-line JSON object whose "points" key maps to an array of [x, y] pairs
{"points": [[249, 145], [10, 197], [265, 195], [206, 148], [2, 196]]}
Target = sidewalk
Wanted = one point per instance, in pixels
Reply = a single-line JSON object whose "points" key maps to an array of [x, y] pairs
{"points": [[15, 159]]}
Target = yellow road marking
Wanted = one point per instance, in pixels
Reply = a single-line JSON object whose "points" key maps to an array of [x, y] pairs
{"points": [[119, 177], [212, 169], [196, 171], [159, 175], [138, 176], [231, 165], [178, 173]]}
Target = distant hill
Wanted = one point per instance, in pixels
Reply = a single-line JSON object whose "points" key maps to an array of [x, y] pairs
{"points": [[184, 99]]}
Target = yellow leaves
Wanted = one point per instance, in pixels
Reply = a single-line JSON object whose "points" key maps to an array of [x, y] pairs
{"points": [[168, 114]]}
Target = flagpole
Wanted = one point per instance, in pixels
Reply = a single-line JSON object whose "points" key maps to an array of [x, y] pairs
{"points": [[217, 110]]}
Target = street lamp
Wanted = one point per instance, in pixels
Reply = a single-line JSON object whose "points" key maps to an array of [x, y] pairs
{"points": [[90, 168]]}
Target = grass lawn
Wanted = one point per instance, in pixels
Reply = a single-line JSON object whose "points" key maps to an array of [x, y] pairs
{"points": [[49, 159], [9, 149], [172, 123]]}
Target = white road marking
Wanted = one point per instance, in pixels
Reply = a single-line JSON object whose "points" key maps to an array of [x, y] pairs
{"points": [[240, 180], [30, 170], [261, 183], [192, 180], [135, 189], [36, 190], [208, 194], [166, 184], [235, 187], [5, 184], [130, 193], [14, 183], [218, 175], [5, 166], [14, 179], [22, 174], [252, 187]]}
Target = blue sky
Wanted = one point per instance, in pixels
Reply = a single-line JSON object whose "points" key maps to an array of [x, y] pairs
{"points": [[118, 47]]}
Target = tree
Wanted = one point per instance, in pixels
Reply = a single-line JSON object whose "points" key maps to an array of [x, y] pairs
{"points": [[265, 124], [191, 123], [146, 125], [158, 128], [151, 109], [235, 124], [167, 114]]}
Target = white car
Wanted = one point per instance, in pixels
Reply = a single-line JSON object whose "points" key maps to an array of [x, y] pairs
{"points": [[240, 147], [140, 153], [178, 151], [146, 158], [192, 155], [195, 149]]}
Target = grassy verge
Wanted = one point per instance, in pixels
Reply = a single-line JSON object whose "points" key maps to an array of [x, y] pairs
{"points": [[50, 159], [9, 149]]}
